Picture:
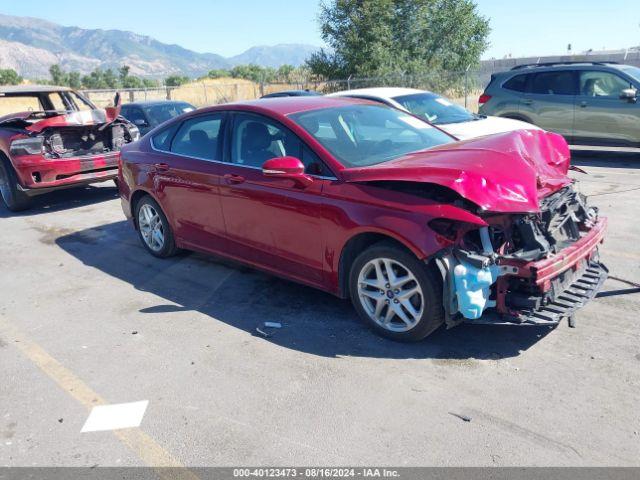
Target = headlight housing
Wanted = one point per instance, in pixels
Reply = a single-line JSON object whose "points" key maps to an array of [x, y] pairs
{"points": [[27, 146]]}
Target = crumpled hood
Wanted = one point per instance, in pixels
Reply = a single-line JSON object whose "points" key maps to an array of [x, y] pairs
{"points": [[74, 119], [506, 173]]}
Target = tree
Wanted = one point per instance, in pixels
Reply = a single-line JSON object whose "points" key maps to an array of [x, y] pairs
{"points": [[8, 76], [176, 80], [285, 72], [380, 37], [74, 80], [219, 73], [58, 76], [255, 73], [124, 73]]}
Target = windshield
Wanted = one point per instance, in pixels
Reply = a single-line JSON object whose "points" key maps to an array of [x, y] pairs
{"points": [[434, 108], [363, 135], [158, 114], [632, 72]]}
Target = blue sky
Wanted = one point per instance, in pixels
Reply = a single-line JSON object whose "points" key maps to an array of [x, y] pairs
{"points": [[229, 27]]}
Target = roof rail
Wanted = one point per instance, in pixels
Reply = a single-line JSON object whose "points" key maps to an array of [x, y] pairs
{"points": [[553, 64]]}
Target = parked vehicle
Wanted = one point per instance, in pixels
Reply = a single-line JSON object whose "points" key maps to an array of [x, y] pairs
{"points": [[292, 93], [448, 116], [592, 104], [149, 114], [368, 202], [58, 139]]}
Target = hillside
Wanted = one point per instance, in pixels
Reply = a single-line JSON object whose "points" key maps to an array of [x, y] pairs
{"points": [[31, 46]]}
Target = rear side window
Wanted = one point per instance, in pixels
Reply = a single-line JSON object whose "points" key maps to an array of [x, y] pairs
{"points": [[198, 137], [162, 140], [554, 83], [516, 84]]}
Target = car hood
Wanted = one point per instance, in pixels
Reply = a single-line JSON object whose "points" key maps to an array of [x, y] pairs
{"points": [[506, 173], [485, 126], [73, 119]]}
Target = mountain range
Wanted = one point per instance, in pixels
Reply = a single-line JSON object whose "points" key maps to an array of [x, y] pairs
{"points": [[31, 45]]}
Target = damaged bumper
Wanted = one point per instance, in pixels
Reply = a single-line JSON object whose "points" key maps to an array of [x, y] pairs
{"points": [[521, 292], [40, 175]]}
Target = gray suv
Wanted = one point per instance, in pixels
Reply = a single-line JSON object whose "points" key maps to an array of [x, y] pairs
{"points": [[590, 104]]}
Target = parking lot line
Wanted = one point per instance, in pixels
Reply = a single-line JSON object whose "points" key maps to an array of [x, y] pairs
{"points": [[144, 447]]}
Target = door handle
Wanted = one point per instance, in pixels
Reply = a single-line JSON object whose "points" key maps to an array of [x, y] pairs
{"points": [[161, 167], [233, 179], [527, 101]]}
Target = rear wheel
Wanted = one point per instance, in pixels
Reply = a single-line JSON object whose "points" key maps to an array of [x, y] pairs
{"points": [[154, 229], [14, 198], [396, 294]]}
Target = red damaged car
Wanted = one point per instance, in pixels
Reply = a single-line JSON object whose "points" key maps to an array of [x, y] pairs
{"points": [[371, 203], [58, 139]]}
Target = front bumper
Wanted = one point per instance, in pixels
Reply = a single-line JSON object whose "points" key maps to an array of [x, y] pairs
{"points": [[562, 283], [38, 175]]}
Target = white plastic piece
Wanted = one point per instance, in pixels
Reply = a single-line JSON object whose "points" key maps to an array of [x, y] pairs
{"points": [[115, 417]]}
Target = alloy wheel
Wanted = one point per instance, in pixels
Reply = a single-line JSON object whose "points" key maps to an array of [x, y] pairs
{"points": [[151, 227], [390, 294]]}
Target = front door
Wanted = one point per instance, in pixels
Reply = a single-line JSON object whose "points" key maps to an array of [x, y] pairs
{"points": [[602, 117], [271, 222]]}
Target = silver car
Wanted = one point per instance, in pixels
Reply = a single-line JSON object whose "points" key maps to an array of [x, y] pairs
{"points": [[593, 105]]}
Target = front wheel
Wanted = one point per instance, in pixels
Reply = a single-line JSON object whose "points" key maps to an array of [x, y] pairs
{"points": [[14, 198], [154, 229], [396, 294]]}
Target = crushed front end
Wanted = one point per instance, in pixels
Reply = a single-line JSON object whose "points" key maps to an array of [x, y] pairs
{"points": [[533, 268], [68, 150]]}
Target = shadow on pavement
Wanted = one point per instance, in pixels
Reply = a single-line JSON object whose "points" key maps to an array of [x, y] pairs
{"points": [[312, 321], [65, 200]]}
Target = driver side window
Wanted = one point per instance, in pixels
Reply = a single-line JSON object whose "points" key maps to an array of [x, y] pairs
{"points": [[601, 84], [257, 139]]}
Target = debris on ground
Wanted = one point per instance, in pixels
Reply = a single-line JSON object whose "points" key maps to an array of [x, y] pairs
{"points": [[135, 332], [60, 420], [263, 333], [461, 417], [267, 330]]}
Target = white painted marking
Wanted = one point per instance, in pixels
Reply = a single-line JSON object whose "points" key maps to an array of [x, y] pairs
{"points": [[115, 417]]}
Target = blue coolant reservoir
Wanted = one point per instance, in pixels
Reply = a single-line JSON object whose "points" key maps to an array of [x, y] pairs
{"points": [[473, 287]]}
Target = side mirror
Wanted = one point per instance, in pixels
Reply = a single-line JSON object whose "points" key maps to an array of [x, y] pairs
{"points": [[287, 167], [629, 94], [140, 123]]}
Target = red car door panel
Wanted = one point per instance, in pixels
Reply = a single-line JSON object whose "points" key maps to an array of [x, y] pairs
{"points": [[274, 223], [188, 180], [269, 221]]}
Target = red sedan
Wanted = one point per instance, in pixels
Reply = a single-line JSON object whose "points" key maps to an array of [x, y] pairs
{"points": [[371, 203]]}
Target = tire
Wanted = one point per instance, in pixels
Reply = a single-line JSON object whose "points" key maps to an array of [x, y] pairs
{"points": [[14, 198], [374, 300], [153, 226]]}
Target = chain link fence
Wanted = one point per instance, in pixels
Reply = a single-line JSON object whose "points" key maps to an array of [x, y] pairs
{"points": [[463, 88]]}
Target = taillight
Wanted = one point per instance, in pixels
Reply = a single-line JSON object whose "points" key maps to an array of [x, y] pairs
{"points": [[484, 98]]}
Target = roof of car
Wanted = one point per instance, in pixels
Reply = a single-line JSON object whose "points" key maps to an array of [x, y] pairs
{"points": [[290, 105], [292, 93], [382, 92], [149, 103], [32, 88]]}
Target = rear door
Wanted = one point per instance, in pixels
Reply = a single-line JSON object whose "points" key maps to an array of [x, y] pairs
{"points": [[602, 117], [550, 100], [188, 168]]}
